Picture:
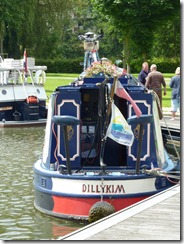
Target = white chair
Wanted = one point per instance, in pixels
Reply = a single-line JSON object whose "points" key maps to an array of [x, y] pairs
{"points": [[30, 62], [6, 74], [7, 62], [16, 73], [30, 66], [40, 77]]}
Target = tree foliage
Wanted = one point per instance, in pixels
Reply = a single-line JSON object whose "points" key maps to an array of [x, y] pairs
{"points": [[12, 19], [167, 39], [49, 28], [137, 21], [34, 24]]}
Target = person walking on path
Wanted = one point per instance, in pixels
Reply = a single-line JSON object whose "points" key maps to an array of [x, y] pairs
{"points": [[144, 73], [154, 81], [175, 95]]}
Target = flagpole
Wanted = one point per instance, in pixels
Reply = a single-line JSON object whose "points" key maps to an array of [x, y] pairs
{"points": [[113, 89], [25, 65], [103, 133]]}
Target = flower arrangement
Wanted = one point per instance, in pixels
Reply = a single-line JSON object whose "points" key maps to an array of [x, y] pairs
{"points": [[103, 68]]}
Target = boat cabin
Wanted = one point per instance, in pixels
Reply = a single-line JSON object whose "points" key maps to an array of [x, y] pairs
{"points": [[84, 140]]}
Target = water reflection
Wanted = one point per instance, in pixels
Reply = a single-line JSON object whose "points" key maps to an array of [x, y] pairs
{"points": [[20, 148]]}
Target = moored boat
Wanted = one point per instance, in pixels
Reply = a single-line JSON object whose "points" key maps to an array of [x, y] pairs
{"points": [[23, 97], [103, 143]]}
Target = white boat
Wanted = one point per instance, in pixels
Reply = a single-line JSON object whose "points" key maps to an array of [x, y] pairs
{"points": [[22, 95]]}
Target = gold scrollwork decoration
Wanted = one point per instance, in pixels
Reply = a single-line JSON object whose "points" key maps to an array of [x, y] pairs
{"points": [[137, 131], [70, 132]]}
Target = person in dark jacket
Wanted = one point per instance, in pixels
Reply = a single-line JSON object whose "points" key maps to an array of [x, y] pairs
{"points": [[144, 73], [175, 95], [154, 81]]}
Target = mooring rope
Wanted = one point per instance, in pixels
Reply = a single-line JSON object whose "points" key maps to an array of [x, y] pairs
{"points": [[172, 140]]}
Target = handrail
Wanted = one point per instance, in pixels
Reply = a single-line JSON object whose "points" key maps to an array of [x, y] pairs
{"points": [[5, 69]]}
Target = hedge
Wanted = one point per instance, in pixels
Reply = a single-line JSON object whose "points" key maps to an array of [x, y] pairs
{"points": [[164, 66], [61, 65], [74, 66]]}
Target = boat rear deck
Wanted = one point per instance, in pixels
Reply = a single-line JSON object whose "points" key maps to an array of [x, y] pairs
{"points": [[155, 218]]}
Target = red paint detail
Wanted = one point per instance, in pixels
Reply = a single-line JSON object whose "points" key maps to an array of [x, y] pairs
{"points": [[81, 206]]}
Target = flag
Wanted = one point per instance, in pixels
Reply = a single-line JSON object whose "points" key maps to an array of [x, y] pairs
{"points": [[25, 63], [119, 130], [121, 92]]}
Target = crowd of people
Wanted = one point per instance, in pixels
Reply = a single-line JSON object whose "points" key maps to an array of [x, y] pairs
{"points": [[154, 80]]}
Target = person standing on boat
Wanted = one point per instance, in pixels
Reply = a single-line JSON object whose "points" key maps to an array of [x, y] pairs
{"points": [[154, 81], [175, 95], [144, 73]]}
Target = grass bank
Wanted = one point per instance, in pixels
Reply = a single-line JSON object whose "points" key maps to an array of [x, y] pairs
{"points": [[54, 80]]}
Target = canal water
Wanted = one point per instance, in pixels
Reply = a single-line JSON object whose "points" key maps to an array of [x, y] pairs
{"points": [[19, 220]]}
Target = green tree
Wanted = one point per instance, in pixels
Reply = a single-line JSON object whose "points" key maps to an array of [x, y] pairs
{"points": [[50, 24], [49, 28], [167, 40], [11, 17], [137, 21], [38, 25]]}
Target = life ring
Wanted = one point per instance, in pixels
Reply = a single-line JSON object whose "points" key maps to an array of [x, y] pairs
{"points": [[32, 99]]}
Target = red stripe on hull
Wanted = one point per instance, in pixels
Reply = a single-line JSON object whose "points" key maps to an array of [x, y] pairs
{"points": [[81, 206]]}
